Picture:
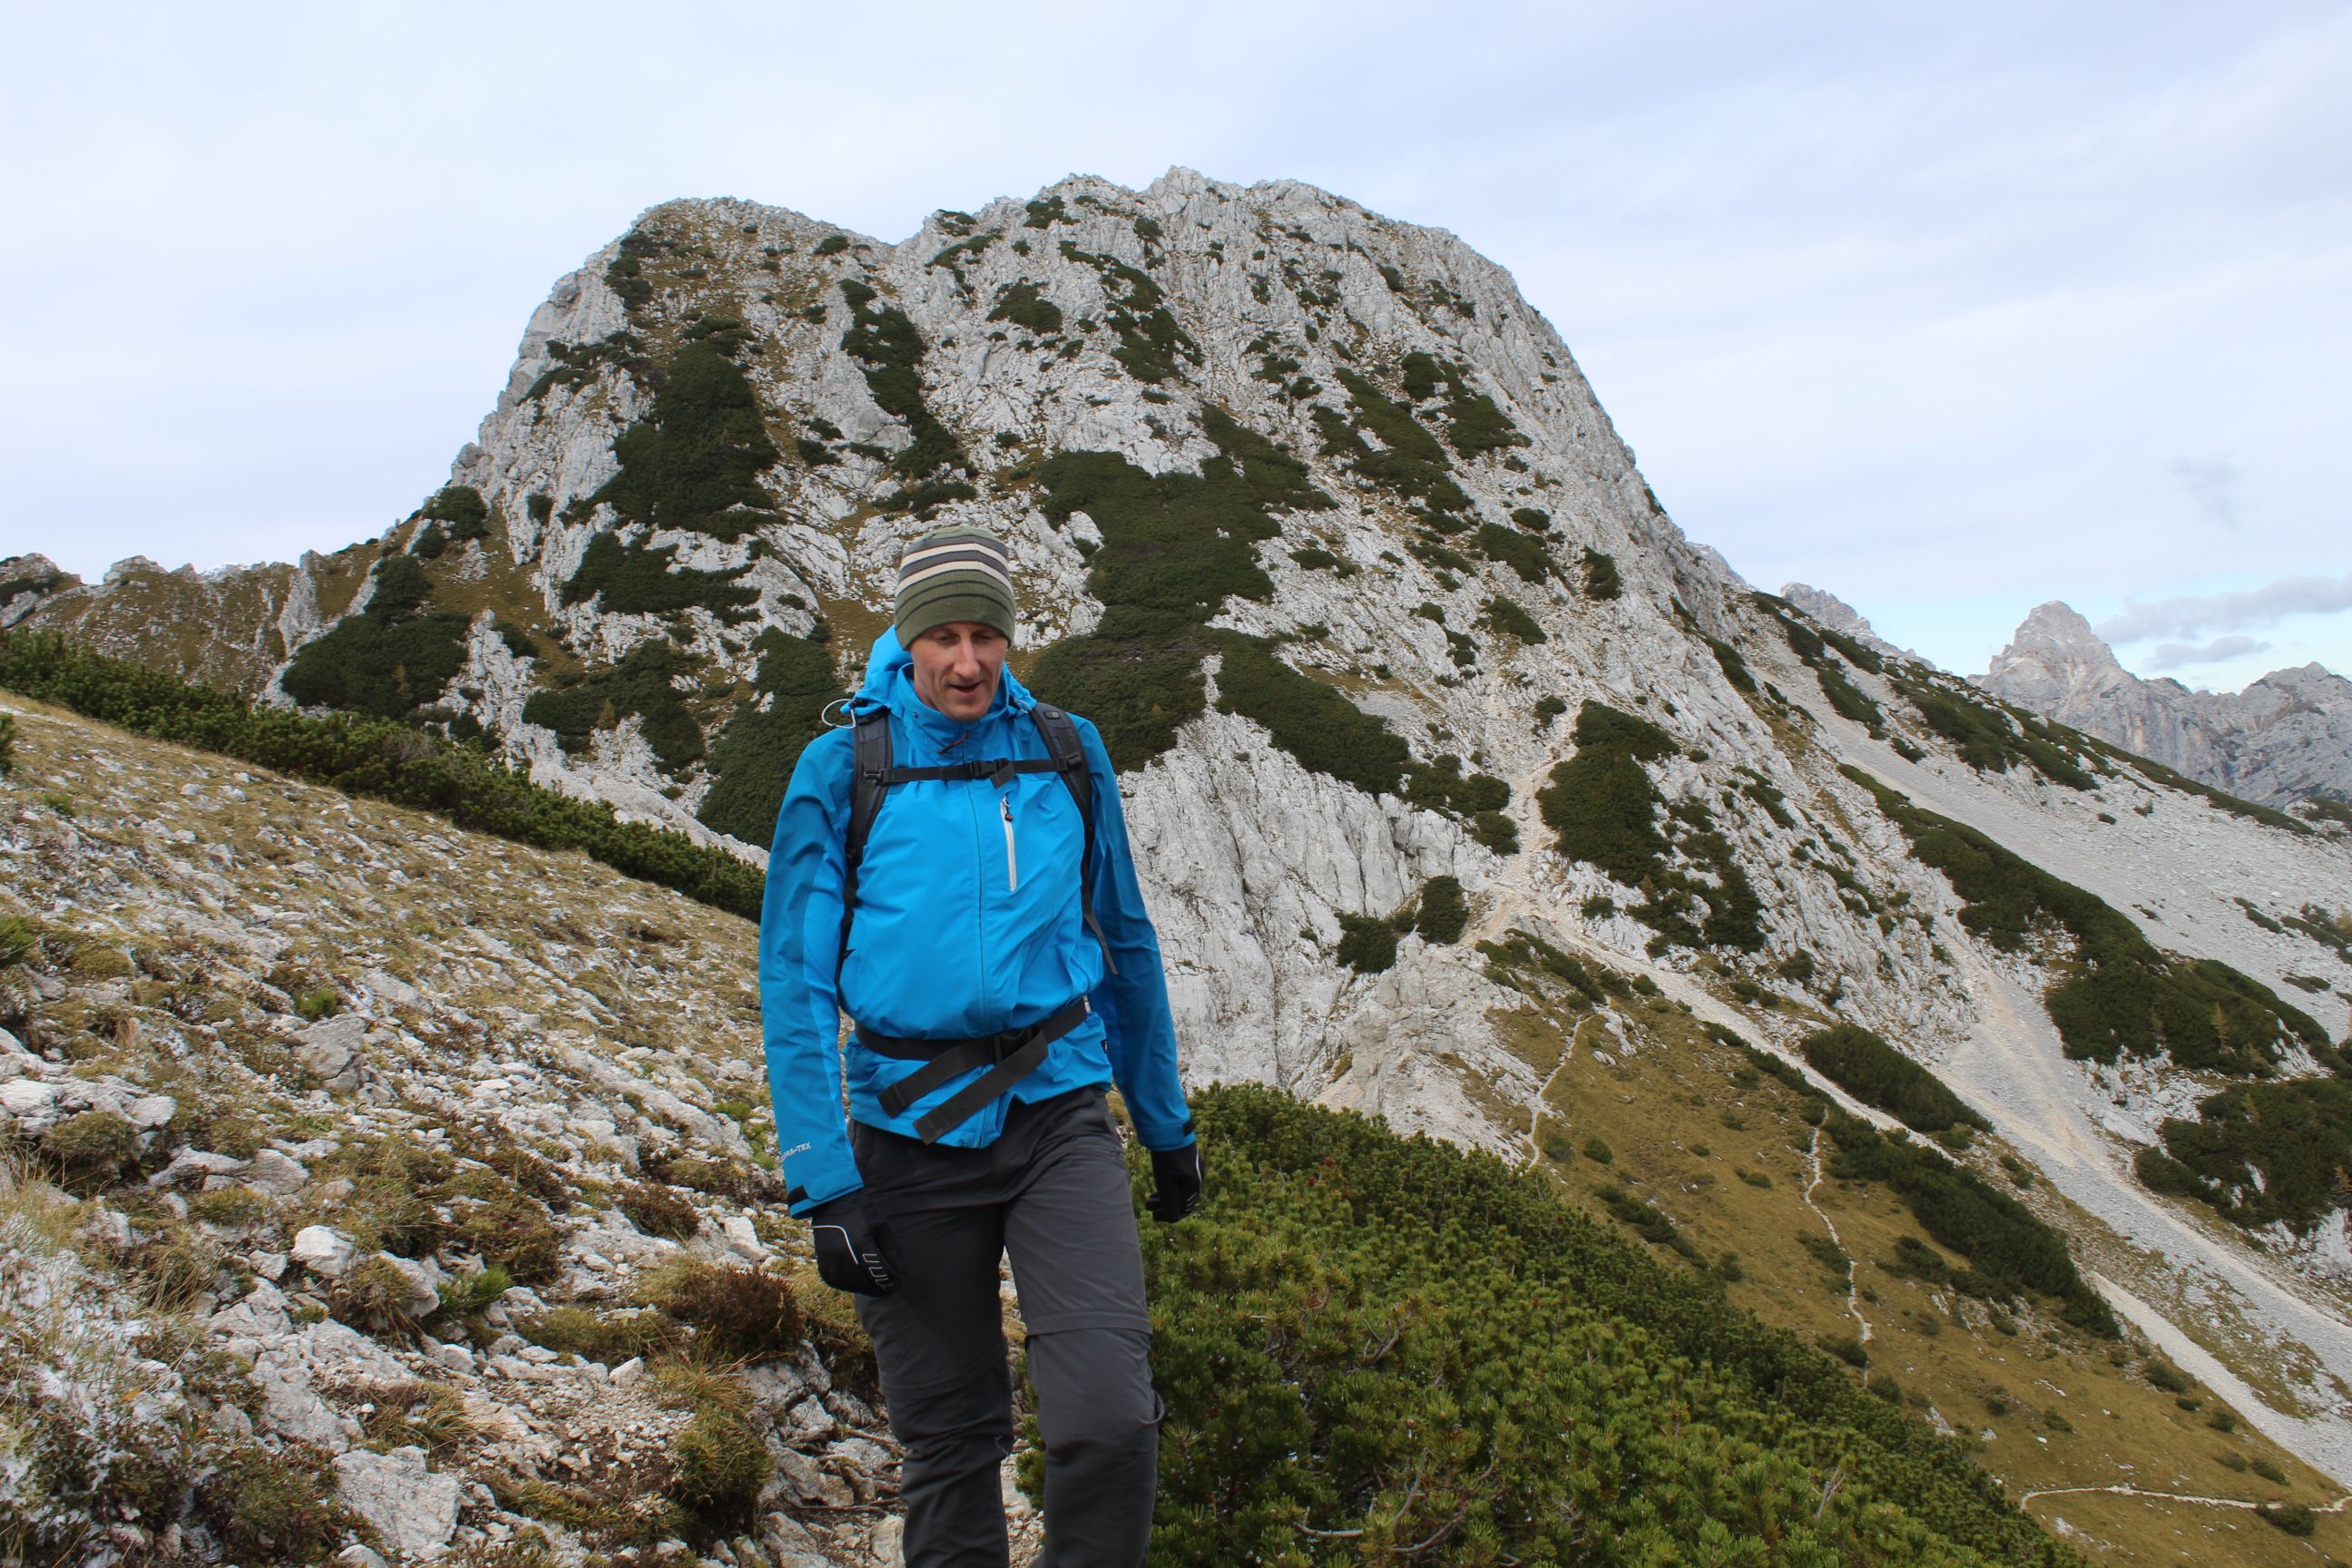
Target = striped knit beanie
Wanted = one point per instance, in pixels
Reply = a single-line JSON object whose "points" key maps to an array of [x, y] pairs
{"points": [[957, 575]]}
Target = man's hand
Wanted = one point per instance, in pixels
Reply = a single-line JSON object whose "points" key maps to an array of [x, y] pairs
{"points": [[854, 1249], [1176, 1177]]}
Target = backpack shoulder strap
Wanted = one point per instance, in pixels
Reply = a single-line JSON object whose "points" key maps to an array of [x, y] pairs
{"points": [[868, 780], [1070, 755]]}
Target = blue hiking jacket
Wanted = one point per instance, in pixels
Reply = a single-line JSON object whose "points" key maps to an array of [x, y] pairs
{"points": [[968, 923]]}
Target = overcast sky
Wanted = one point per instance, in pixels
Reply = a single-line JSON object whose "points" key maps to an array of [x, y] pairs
{"points": [[1949, 310]]}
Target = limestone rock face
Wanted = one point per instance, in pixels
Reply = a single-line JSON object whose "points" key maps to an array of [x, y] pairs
{"points": [[2286, 736], [415, 1512]]}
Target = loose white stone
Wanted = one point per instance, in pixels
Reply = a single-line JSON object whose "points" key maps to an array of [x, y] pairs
{"points": [[323, 1251], [274, 1173]]}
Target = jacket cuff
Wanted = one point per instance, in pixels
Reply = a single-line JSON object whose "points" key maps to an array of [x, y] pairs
{"points": [[803, 1201], [1160, 1137]]}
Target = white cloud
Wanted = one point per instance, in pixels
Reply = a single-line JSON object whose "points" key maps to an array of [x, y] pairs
{"points": [[2194, 615], [2182, 655]]}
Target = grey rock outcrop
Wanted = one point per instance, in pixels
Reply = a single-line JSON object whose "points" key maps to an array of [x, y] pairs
{"points": [[1839, 617], [415, 1512], [2286, 736]]}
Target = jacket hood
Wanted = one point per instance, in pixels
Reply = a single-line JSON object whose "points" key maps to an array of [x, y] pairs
{"points": [[890, 683]]}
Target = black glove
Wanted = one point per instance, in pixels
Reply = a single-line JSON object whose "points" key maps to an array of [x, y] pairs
{"points": [[854, 1248], [1176, 1175]]}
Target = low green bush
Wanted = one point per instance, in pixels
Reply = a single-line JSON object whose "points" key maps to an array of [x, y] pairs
{"points": [[1601, 578], [643, 684], [1368, 944], [636, 580], [887, 346], [1444, 910], [2006, 1245], [391, 659], [1875, 1073], [1523, 553], [1366, 1338], [693, 462], [2262, 1153], [1025, 305]]}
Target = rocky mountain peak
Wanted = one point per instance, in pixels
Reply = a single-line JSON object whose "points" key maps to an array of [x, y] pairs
{"points": [[2286, 737]]}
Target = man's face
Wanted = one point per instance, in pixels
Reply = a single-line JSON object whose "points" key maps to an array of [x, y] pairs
{"points": [[957, 666]]}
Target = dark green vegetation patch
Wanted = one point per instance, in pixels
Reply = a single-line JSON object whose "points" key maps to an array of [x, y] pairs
{"points": [[882, 341], [373, 757], [1025, 305], [1379, 1346], [1314, 722], [1175, 547], [1509, 617], [693, 463], [1604, 809], [2220, 800], [753, 757], [2009, 1251], [1149, 342], [637, 581], [1991, 739], [1806, 641], [2121, 996], [1472, 423], [1408, 461], [643, 684], [390, 659], [2263, 1153], [1877, 1074], [1601, 578]]}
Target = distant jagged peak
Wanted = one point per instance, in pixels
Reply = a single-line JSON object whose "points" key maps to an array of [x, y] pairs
{"points": [[1840, 616], [2056, 627]]}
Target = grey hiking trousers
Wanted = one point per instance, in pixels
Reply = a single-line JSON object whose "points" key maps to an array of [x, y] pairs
{"points": [[1052, 1193]]}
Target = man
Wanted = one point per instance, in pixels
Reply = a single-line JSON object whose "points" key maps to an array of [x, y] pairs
{"points": [[953, 873]]}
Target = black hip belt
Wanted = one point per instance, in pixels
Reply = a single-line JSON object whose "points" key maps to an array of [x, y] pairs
{"points": [[1011, 1054]]}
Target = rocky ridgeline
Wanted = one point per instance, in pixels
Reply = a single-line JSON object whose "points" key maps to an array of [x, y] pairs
{"points": [[408, 1183], [2284, 739]]}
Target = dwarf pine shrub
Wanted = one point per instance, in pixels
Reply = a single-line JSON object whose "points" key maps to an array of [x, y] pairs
{"points": [[1364, 1338]]}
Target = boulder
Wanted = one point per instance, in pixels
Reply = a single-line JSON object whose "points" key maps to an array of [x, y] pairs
{"points": [[322, 1251], [151, 1111], [415, 1512], [331, 1047], [26, 1097], [274, 1173]]}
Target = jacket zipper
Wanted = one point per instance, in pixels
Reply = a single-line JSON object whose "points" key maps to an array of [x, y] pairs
{"points": [[1012, 866]]}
